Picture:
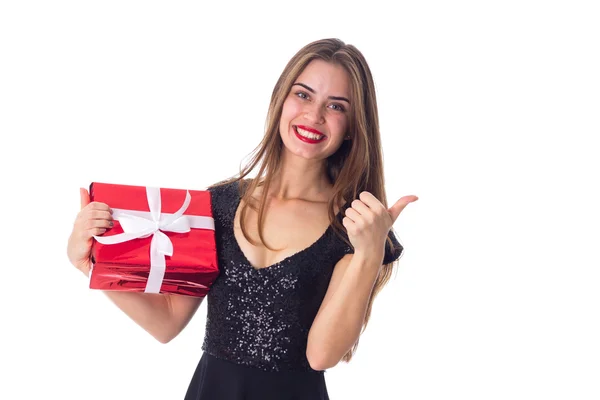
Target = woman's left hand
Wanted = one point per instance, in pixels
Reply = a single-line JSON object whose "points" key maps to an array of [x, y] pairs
{"points": [[368, 222]]}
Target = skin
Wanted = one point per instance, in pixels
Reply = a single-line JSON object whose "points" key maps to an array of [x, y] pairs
{"points": [[298, 196], [309, 103], [297, 202], [302, 185], [340, 318], [367, 221]]}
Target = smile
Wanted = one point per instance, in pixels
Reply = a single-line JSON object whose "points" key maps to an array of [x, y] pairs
{"points": [[308, 136]]}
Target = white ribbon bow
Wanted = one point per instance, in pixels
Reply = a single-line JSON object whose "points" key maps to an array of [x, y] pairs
{"points": [[141, 224]]}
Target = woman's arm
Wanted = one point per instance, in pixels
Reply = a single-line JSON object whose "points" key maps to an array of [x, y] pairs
{"points": [[340, 318], [161, 315]]}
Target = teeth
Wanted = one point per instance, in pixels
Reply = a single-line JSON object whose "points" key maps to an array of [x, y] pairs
{"points": [[308, 134]]}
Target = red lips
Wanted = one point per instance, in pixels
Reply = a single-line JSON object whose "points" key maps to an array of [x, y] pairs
{"points": [[306, 139], [311, 130]]}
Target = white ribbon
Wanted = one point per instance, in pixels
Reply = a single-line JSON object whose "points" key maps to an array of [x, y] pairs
{"points": [[142, 224]]}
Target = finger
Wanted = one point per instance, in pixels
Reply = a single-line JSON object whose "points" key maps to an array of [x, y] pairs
{"points": [[84, 196], [397, 208], [98, 223], [352, 214], [96, 205], [361, 207], [95, 232], [348, 224], [369, 200], [99, 214], [88, 214]]}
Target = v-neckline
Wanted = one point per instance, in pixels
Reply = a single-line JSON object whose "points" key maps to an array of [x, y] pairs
{"points": [[236, 206]]}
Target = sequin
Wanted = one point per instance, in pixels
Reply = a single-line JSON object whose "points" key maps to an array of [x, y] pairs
{"points": [[261, 317]]}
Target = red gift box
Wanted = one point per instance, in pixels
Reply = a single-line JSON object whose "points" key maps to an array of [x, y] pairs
{"points": [[162, 241]]}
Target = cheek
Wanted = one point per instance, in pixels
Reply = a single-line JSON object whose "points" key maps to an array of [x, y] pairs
{"points": [[286, 116], [289, 112], [291, 108], [341, 125], [285, 112]]}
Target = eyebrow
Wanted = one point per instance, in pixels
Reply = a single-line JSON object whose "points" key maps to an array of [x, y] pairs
{"points": [[313, 91]]}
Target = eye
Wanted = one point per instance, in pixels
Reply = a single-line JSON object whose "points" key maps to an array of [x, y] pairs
{"points": [[302, 95], [338, 107]]}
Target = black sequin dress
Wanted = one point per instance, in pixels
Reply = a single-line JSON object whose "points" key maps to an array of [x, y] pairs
{"points": [[258, 319]]}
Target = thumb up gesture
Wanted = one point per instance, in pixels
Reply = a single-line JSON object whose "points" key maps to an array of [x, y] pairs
{"points": [[368, 222]]}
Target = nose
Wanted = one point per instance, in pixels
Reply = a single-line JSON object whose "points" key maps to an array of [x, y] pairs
{"points": [[314, 114]]}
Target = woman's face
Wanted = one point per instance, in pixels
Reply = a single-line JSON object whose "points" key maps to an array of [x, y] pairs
{"points": [[316, 112]]}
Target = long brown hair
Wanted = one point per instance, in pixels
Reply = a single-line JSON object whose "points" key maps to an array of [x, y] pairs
{"points": [[355, 167]]}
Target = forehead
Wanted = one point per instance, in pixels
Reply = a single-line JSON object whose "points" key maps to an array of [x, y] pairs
{"points": [[326, 78]]}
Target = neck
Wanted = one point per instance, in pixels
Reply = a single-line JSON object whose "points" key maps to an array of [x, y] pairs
{"points": [[299, 178]]}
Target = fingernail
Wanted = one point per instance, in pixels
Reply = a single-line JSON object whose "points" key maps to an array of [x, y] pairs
{"points": [[110, 224]]}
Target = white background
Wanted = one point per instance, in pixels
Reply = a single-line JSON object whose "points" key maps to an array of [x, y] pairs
{"points": [[488, 113]]}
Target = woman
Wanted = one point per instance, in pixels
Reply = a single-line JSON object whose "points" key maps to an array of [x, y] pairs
{"points": [[303, 248]]}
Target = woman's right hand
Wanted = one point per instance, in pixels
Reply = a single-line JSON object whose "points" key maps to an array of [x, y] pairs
{"points": [[93, 219]]}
